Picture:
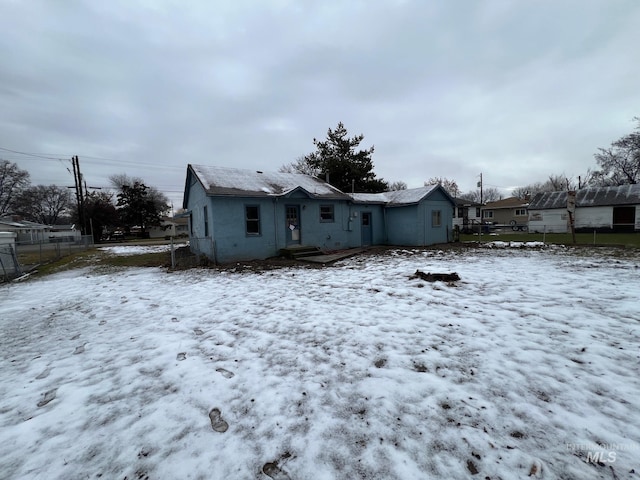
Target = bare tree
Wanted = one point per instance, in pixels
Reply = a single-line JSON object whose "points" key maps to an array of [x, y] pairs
{"points": [[489, 194], [451, 186], [299, 166], [43, 203], [398, 185], [554, 183], [12, 181], [620, 164]]}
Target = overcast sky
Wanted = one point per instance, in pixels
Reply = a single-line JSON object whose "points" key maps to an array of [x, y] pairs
{"points": [[516, 90]]}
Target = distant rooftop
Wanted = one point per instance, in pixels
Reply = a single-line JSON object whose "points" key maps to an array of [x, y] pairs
{"points": [[589, 197], [511, 202]]}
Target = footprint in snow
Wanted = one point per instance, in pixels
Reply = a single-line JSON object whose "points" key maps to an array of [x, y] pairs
{"points": [[75, 337], [181, 356], [44, 374], [197, 331], [48, 396], [79, 349], [225, 373], [272, 470], [217, 422], [102, 322]]}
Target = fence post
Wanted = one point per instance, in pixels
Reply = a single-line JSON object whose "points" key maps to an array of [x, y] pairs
{"points": [[544, 233], [173, 255], [594, 236]]}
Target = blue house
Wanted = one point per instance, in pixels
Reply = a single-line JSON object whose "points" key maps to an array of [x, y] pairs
{"points": [[239, 214]]}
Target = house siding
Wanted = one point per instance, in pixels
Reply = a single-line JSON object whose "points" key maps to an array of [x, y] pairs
{"points": [[437, 234], [404, 225], [411, 225], [232, 242], [550, 220], [378, 222], [587, 218], [197, 199], [594, 217]]}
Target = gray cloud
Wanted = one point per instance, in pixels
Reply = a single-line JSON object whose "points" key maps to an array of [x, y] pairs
{"points": [[516, 90]]}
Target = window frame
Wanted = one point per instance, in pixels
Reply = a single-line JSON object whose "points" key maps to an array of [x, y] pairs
{"points": [[436, 218], [523, 212], [487, 214], [253, 221], [332, 213], [205, 213]]}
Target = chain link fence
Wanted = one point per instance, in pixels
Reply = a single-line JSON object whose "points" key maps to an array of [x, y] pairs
{"points": [[32, 253], [9, 265]]}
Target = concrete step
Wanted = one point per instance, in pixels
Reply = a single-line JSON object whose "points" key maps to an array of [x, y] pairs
{"points": [[300, 251]]}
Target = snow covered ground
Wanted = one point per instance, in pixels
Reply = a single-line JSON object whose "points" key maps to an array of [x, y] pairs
{"points": [[527, 366]]}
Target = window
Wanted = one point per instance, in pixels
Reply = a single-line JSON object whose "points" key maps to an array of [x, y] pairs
{"points": [[477, 212], [252, 219], [326, 213], [191, 223], [206, 222], [487, 214], [521, 212], [436, 218]]}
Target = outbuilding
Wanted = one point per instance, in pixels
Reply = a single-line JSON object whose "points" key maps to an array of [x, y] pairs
{"points": [[603, 209]]}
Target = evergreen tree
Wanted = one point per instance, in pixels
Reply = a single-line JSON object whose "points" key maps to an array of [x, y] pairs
{"points": [[136, 207], [347, 168]]}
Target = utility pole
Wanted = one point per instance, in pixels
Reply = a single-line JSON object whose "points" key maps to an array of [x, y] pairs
{"points": [[77, 177]]}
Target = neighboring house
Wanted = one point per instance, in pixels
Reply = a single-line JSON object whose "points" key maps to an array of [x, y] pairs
{"points": [[31, 232], [508, 211], [466, 214], [26, 232], [64, 233], [242, 214], [606, 209], [169, 227]]}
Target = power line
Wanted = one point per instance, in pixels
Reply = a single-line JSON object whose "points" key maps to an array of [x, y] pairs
{"points": [[32, 154], [114, 161]]}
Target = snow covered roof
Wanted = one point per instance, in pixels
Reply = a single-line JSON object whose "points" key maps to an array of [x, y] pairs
{"points": [[22, 224], [397, 197], [589, 197], [243, 182]]}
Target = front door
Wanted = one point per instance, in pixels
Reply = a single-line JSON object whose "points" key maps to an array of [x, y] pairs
{"points": [[367, 236], [292, 224]]}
